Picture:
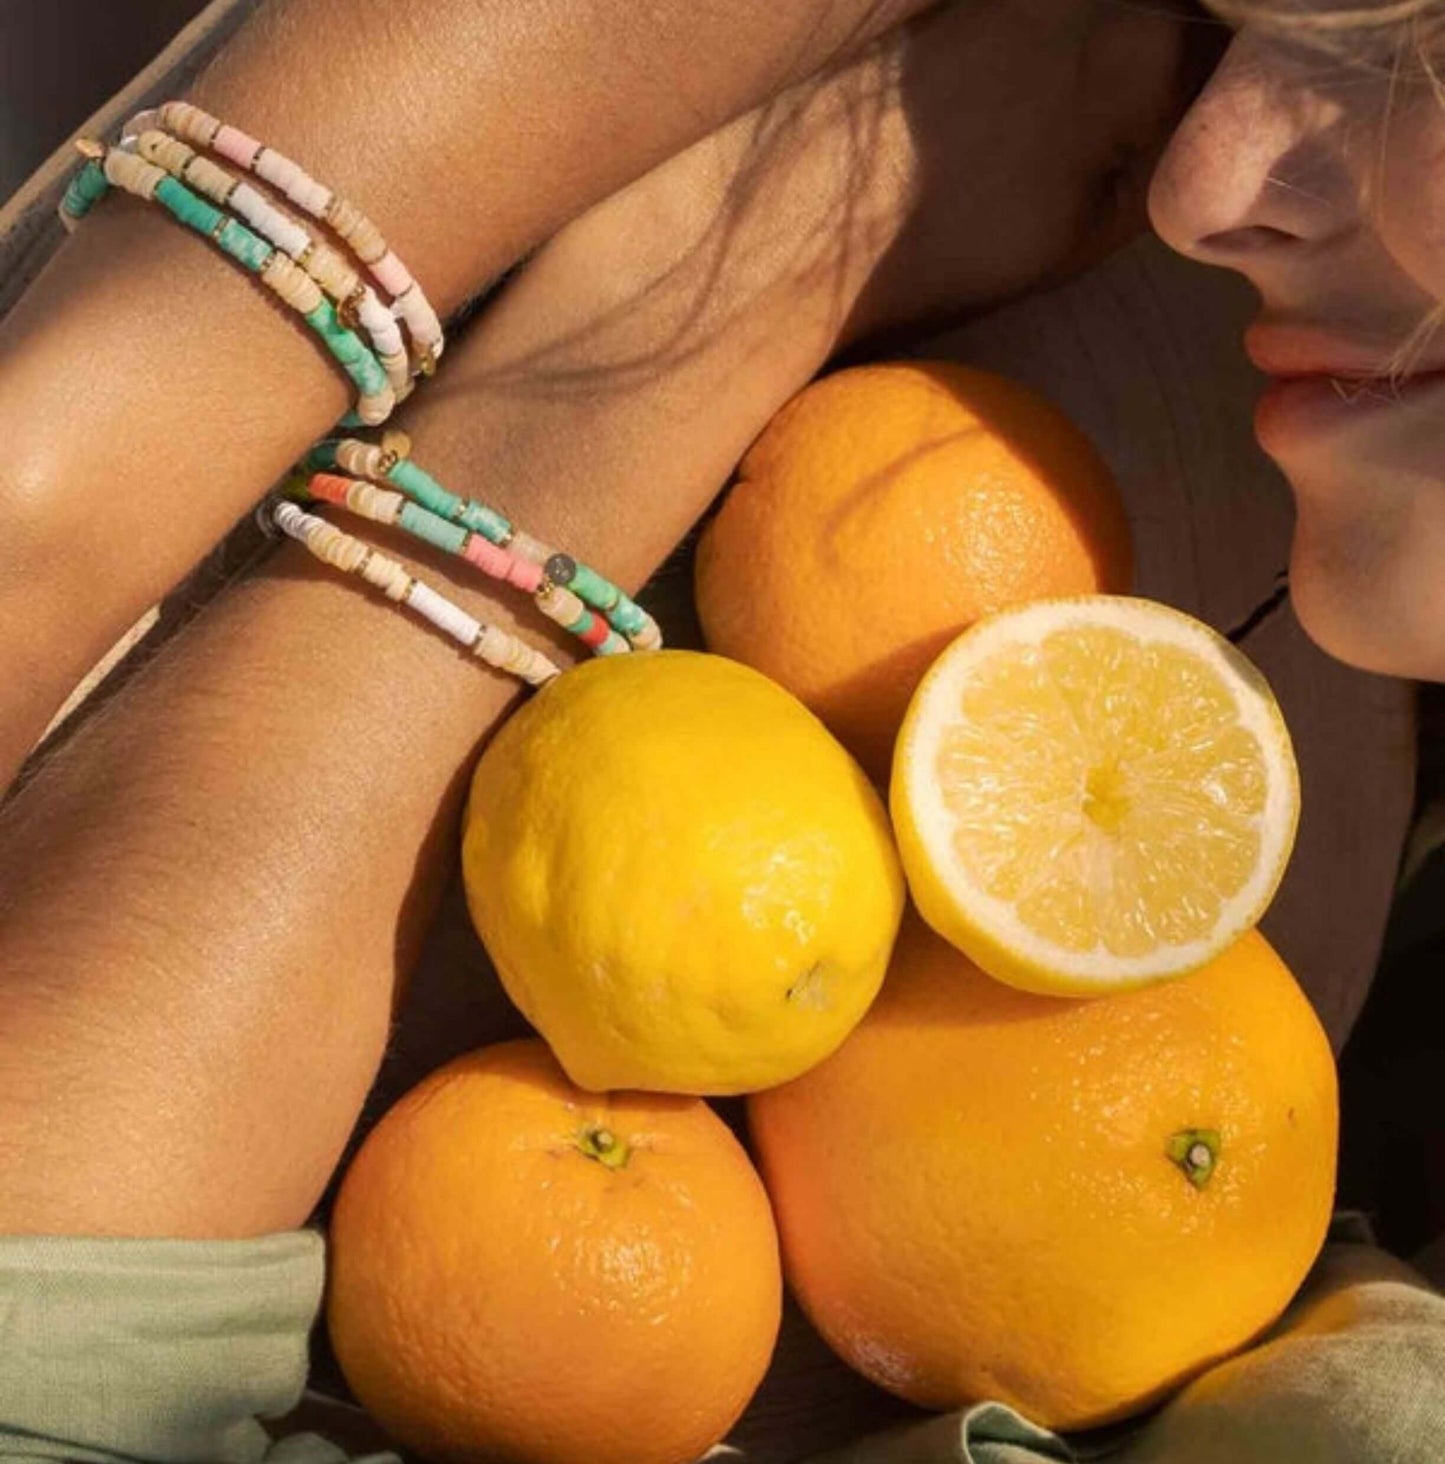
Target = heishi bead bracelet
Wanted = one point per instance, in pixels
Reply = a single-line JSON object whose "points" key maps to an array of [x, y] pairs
{"points": [[387, 464], [357, 303], [388, 506], [199, 128], [114, 167], [498, 648], [161, 158]]}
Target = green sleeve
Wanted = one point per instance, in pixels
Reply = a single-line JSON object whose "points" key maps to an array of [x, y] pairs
{"points": [[117, 1351]]}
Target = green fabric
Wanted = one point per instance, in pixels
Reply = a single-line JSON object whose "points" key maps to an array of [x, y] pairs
{"points": [[123, 1350], [117, 1351]]}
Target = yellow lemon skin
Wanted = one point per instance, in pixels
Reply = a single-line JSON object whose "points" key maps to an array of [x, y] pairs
{"points": [[685, 883]]}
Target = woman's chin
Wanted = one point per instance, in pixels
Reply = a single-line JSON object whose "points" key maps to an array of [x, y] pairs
{"points": [[1361, 608]]}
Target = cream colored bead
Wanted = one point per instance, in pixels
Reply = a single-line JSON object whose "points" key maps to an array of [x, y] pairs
{"points": [[374, 410], [209, 178], [360, 459], [164, 150], [291, 282], [560, 604], [331, 271], [134, 174], [365, 238], [508, 653], [381, 505], [342, 215], [387, 575], [189, 121]]}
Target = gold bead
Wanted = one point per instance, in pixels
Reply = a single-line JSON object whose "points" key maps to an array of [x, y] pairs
{"points": [[348, 312], [90, 147]]}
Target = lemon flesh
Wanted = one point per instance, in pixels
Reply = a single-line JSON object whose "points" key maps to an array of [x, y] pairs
{"points": [[685, 883], [1092, 794]]}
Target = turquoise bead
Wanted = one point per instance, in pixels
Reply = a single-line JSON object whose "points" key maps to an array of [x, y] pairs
{"points": [[188, 207], [322, 456], [86, 189], [487, 522], [243, 246], [421, 486], [348, 348], [590, 585], [433, 528]]}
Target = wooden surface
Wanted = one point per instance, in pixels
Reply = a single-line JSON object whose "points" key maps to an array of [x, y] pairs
{"points": [[29, 230]]}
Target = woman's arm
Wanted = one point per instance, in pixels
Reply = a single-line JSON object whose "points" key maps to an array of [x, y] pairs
{"points": [[210, 890], [149, 393]]}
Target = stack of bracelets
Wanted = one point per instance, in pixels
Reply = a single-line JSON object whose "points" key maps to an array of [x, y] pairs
{"points": [[176, 156]]}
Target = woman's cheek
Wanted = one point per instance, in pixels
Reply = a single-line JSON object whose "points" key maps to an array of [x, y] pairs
{"points": [[1409, 207]]}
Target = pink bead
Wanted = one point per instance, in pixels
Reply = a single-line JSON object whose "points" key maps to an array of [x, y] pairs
{"points": [[501, 565], [234, 144], [391, 274], [421, 320]]}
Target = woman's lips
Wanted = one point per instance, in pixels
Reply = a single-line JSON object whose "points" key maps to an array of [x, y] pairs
{"points": [[1290, 351], [1320, 382]]}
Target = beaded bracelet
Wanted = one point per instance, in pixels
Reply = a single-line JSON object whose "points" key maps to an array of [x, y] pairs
{"points": [[114, 167], [329, 544], [199, 128], [357, 302], [390, 465], [386, 506]]}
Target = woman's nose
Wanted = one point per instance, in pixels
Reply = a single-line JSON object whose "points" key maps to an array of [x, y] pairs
{"points": [[1256, 170]]}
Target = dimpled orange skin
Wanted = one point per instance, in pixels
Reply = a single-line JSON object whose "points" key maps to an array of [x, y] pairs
{"points": [[884, 510], [976, 1201], [497, 1294]]}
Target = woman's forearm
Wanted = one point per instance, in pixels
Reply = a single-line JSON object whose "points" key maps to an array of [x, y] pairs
{"points": [[209, 891], [148, 392]]}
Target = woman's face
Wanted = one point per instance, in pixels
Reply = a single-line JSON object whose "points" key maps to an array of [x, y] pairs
{"points": [[1323, 182]]}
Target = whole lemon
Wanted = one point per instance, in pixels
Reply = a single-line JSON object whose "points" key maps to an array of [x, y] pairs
{"points": [[685, 883]]}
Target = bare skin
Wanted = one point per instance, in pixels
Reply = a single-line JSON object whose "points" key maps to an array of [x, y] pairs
{"points": [[211, 891], [456, 124]]}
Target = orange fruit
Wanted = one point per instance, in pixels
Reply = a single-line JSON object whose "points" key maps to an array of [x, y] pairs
{"points": [[883, 511], [521, 1271], [1067, 1206]]}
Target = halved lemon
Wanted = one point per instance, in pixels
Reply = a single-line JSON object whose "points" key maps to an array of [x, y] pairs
{"points": [[1092, 794]]}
